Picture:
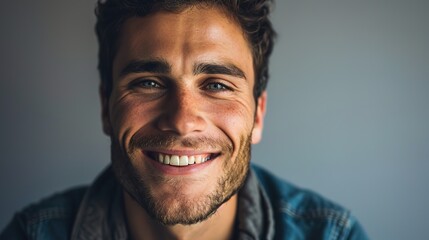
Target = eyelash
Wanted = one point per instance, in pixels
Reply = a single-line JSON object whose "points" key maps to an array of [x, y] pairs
{"points": [[220, 87], [146, 83], [153, 84]]}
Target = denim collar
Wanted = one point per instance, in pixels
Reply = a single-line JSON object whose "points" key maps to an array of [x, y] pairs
{"points": [[101, 215], [255, 214]]}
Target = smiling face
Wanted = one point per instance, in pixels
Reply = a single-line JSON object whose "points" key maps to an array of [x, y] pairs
{"points": [[182, 114]]}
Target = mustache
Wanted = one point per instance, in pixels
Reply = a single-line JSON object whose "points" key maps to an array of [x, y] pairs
{"points": [[173, 141]]}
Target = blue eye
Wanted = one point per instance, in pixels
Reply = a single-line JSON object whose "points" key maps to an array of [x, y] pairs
{"points": [[148, 84], [216, 87]]}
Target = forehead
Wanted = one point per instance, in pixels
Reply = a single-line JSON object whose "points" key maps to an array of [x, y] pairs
{"points": [[194, 34]]}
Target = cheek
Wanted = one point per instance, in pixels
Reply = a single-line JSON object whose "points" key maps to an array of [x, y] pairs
{"points": [[233, 118], [128, 116]]}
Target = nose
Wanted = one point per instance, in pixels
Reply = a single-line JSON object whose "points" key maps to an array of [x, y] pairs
{"points": [[182, 115]]}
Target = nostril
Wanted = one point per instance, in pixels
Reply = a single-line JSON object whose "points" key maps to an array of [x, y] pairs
{"points": [[181, 121]]}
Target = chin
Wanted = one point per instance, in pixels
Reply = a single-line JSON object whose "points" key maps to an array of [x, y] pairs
{"points": [[182, 199]]}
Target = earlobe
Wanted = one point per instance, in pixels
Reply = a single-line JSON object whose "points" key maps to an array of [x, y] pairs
{"points": [[259, 118], [105, 118]]}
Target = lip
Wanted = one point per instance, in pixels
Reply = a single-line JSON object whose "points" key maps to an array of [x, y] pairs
{"points": [[180, 170], [179, 152]]}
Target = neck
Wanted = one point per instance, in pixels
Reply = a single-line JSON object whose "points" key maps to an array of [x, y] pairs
{"points": [[142, 227]]}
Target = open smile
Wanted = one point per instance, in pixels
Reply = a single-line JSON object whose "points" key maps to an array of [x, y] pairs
{"points": [[180, 160]]}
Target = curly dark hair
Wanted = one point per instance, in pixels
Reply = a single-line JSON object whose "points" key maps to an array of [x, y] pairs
{"points": [[252, 16]]}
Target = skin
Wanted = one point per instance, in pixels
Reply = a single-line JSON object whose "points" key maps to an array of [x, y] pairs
{"points": [[182, 111]]}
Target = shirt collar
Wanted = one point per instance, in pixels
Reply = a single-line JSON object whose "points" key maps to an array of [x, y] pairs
{"points": [[255, 214], [101, 216]]}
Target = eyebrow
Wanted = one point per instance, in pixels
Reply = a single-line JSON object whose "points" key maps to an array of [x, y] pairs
{"points": [[216, 68], [161, 66], [151, 65]]}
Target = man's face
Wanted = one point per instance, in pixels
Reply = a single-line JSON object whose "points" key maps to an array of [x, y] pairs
{"points": [[181, 114]]}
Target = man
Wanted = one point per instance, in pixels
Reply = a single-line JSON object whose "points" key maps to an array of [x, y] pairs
{"points": [[183, 98]]}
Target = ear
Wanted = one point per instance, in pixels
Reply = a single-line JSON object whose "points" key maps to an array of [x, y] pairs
{"points": [[259, 118], [105, 117]]}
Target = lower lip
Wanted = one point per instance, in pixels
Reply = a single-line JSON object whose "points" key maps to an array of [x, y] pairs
{"points": [[180, 170]]}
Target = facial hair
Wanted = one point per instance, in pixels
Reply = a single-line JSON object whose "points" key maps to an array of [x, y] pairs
{"points": [[184, 210]]}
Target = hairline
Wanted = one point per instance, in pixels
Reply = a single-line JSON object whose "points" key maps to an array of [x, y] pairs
{"points": [[185, 7]]}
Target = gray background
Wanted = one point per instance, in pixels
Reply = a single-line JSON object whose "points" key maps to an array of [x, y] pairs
{"points": [[347, 113]]}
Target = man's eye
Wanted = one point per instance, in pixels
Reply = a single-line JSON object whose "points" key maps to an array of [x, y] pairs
{"points": [[148, 84], [216, 87]]}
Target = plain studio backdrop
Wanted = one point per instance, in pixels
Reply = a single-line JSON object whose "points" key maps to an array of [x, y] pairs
{"points": [[347, 114]]}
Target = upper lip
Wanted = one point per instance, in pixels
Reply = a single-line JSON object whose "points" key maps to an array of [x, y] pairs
{"points": [[182, 152], [154, 154]]}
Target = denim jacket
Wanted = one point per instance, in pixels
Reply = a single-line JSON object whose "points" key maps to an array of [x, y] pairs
{"points": [[268, 208]]}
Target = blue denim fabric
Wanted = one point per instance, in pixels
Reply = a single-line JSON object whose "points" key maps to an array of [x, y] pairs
{"points": [[50, 219], [303, 214], [93, 213]]}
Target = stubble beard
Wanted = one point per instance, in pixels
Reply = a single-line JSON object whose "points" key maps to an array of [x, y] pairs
{"points": [[183, 210]]}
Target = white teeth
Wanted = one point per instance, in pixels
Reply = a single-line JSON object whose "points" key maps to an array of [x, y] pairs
{"points": [[176, 160], [191, 160], [183, 161], [167, 159]]}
